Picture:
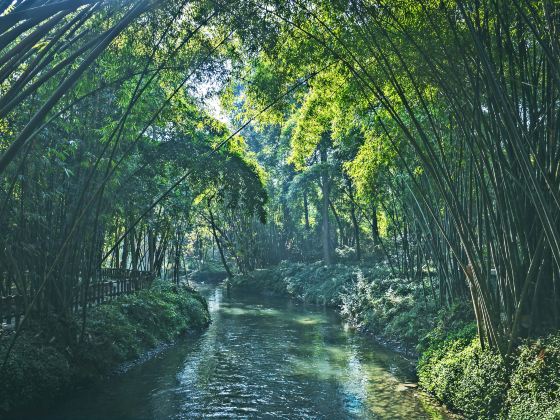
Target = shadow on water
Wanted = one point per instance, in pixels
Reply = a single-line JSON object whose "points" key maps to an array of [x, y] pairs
{"points": [[261, 358]]}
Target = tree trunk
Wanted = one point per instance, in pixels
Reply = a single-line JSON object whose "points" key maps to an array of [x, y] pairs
{"points": [[306, 210], [354, 220], [325, 187], [219, 244], [374, 223], [356, 231]]}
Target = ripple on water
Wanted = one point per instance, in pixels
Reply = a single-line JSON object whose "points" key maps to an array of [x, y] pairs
{"points": [[260, 358]]}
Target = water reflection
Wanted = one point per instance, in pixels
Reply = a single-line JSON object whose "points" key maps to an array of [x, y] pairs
{"points": [[260, 358]]}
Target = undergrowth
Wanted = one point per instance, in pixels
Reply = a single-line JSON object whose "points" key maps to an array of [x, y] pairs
{"points": [[40, 366], [368, 297]]}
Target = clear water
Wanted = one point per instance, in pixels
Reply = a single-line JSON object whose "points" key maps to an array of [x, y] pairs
{"points": [[261, 358]]}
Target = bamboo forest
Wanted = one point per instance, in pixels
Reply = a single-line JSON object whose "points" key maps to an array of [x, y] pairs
{"points": [[280, 209]]}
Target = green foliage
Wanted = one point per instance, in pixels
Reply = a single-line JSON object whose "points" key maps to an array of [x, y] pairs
{"points": [[535, 381], [35, 372], [454, 322], [122, 329], [210, 266], [40, 367], [463, 376], [384, 305], [128, 131], [417, 147], [481, 385]]}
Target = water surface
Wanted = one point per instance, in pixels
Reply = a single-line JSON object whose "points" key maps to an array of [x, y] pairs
{"points": [[261, 358]]}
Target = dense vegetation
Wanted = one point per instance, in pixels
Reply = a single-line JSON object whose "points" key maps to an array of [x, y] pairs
{"points": [[370, 298], [417, 142], [118, 331], [108, 158]]}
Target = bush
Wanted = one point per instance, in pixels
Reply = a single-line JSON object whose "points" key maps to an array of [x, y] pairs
{"points": [[457, 372], [535, 381], [122, 329], [385, 305], [34, 370], [40, 367], [477, 383]]}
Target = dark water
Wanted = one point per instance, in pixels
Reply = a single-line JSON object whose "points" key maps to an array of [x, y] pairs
{"points": [[260, 358]]}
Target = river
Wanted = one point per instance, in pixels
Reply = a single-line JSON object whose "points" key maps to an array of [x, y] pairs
{"points": [[262, 357]]}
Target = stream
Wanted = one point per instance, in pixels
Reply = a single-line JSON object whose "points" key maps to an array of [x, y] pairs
{"points": [[261, 357]]}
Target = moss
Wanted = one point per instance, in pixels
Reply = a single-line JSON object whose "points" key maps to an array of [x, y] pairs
{"points": [[39, 367]]}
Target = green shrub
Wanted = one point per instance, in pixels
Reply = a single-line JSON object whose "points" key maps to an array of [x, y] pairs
{"points": [[535, 381], [477, 383], [36, 371], [122, 329], [463, 376], [117, 331], [390, 306], [450, 323]]}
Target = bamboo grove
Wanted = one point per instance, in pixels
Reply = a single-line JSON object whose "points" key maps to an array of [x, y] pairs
{"points": [[445, 117], [421, 133], [107, 157]]}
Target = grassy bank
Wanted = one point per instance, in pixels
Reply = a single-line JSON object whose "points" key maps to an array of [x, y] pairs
{"points": [[451, 364], [41, 367], [369, 297]]}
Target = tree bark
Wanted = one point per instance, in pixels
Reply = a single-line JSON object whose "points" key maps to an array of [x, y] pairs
{"points": [[219, 244], [306, 210], [325, 189]]}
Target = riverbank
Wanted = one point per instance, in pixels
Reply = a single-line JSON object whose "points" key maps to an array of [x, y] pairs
{"points": [[41, 366], [262, 357], [451, 366], [396, 312]]}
